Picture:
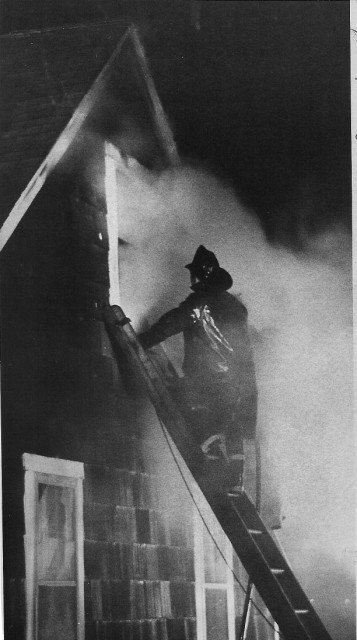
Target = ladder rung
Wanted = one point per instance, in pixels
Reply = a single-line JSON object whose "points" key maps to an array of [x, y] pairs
{"points": [[255, 532], [277, 572], [302, 611]]}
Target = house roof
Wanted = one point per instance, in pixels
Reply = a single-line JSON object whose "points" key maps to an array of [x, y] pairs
{"points": [[44, 76], [53, 80]]}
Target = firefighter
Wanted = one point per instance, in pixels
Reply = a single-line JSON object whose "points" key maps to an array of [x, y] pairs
{"points": [[218, 395]]}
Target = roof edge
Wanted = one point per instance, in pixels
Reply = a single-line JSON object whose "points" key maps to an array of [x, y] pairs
{"points": [[57, 150]]}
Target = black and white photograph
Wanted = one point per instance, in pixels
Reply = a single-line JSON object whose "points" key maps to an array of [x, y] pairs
{"points": [[176, 289]]}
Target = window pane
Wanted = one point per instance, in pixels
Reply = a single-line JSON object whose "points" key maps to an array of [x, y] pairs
{"points": [[55, 535], [57, 617], [217, 618]]}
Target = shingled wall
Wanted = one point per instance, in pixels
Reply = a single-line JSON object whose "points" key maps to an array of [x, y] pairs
{"points": [[139, 574], [65, 396], [139, 569], [44, 75]]}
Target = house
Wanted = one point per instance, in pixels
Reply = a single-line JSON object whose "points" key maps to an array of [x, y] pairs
{"points": [[102, 535]]}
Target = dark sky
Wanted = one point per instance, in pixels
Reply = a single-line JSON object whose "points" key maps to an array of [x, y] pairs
{"points": [[262, 94]]}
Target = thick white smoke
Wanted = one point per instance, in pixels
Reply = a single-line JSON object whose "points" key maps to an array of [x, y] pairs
{"points": [[301, 310]]}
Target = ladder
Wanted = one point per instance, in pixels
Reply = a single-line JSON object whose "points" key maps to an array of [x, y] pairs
{"points": [[256, 549]]}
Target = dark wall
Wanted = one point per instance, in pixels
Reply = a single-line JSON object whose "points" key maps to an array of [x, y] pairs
{"points": [[51, 349], [46, 309], [64, 396]]}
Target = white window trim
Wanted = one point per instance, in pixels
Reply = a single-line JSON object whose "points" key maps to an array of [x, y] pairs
{"points": [[63, 473], [130, 169], [200, 585], [200, 593], [112, 160]]}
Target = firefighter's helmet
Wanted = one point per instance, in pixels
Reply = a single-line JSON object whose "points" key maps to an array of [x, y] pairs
{"points": [[205, 266]]}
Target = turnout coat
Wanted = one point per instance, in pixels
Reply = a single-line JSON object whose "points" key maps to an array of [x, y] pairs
{"points": [[218, 361]]}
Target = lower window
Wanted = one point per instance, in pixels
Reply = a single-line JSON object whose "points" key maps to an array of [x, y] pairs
{"points": [[54, 548]]}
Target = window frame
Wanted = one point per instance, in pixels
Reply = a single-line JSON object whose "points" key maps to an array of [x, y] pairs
{"points": [[202, 518], [117, 167], [113, 161], [58, 472]]}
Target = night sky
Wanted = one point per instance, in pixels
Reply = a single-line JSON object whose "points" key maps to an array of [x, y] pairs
{"points": [[261, 94]]}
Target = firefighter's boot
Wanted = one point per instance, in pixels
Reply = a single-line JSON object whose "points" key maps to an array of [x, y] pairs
{"points": [[234, 480]]}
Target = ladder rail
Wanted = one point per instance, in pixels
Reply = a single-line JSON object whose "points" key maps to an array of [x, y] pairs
{"points": [[259, 554], [120, 330], [279, 587]]}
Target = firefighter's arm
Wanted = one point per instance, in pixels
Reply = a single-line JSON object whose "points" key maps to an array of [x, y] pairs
{"points": [[169, 324]]}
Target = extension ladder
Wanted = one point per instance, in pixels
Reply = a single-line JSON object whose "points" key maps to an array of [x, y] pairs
{"points": [[256, 549]]}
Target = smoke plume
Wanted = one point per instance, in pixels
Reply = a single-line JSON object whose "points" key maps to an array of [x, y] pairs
{"points": [[300, 311]]}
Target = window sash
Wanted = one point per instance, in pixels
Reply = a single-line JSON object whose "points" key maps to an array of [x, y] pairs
{"points": [[56, 472]]}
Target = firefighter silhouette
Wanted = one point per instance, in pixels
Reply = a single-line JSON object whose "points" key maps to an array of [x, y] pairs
{"points": [[218, 393]]}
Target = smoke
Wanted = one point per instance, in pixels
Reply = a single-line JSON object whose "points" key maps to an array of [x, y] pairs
{"points": [[300, 310]]}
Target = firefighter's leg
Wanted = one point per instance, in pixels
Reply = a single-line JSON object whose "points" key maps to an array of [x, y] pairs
{"points": [[214, 447], [240, 426], [224, 451], [206, 415], [212, 432], [235, 452], [195, 406]]}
